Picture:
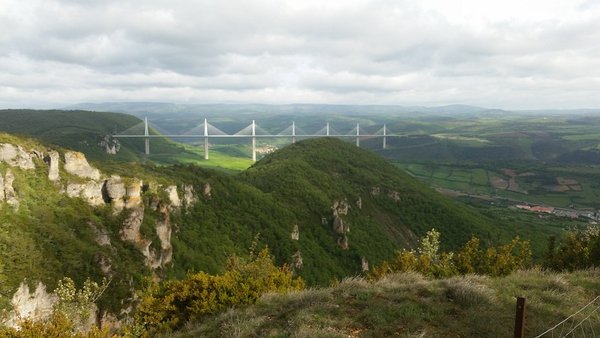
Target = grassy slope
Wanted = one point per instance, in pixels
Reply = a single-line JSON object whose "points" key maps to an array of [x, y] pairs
{"points": [[409, 305], [298, 185]]}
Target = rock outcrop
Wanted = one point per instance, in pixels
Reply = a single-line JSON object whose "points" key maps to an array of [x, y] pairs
{"points": [[131, 227], [338, 209], [207, 189], [133, 194], [394, 195], [295, 233], [173, 196], [189, 198], [77, 164], [297, 260], [35, 306], [359, 203], [90, 191], [1, 188], [375, 191], [16, 156], [52, 160], [164, 230], [364, 264], [114, 192], [111, 145], [9, 192]]}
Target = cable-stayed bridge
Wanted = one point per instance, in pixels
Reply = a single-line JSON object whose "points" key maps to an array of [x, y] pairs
{"points": [[253, 132]]}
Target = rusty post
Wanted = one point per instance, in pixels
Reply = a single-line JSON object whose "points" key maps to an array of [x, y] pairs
{"points": [[520, 318]]}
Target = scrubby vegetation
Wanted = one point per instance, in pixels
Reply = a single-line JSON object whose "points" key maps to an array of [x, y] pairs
{"points": [[173, 303], [470, 259]]}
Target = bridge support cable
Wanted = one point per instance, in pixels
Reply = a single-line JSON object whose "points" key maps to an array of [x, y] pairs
{"points": [[358, 134]]}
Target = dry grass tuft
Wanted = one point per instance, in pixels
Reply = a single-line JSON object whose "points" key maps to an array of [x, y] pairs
{"points": [[468, 290]]}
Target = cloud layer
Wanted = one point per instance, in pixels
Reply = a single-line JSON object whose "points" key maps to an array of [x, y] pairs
{"points": [[508, 54]]}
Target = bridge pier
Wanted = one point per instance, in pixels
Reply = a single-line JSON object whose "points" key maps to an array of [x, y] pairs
{"points": [[253, 141], [293, 132], [147, 139], [384, 137], [205, 139]]}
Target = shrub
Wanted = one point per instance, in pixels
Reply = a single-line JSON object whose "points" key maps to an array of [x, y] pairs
{"points": [[172, 303], [427, 259]]}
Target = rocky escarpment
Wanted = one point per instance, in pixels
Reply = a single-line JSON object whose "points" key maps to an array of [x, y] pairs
{"points": [[130, 199], [82, 180]]}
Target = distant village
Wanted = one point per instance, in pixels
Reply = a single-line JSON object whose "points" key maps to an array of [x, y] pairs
{"points": [[593, 215]]}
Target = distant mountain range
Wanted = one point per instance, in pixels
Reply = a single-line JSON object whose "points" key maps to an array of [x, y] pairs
{"points": [[209, 110]]}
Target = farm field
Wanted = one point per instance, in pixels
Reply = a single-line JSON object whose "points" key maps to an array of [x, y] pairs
{"points": [[559, 186]]}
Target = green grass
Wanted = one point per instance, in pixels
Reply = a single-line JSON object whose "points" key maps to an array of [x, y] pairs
{"points": [[409, 305]]}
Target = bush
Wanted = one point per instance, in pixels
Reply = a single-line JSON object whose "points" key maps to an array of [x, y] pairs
{"points": [[579, 249], [470, 259], [172, 303]]}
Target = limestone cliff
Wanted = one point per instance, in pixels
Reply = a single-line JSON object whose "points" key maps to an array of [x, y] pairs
{"points": [[77, 164]]}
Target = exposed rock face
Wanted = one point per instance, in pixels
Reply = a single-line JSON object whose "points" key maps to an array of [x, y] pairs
{"points": [[104, 263], [115, 191], [364, 264], [173, 196], [131, 230], [339, 226], [133, 194], [375, 191], [394, 195], [91, 192], [111, 145], [74, 189], [296, 233], [15, 156], [102, 237], [340, 208], [189, 198], [297, 260], [1, 188], [359, 203], [9, 192], [52, 159], [343, 242], [206, 190], [76, 164], [163, 230], [36, 306]]}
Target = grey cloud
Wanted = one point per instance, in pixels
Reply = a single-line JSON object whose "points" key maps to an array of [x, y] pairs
{"points": [[345, 52]]}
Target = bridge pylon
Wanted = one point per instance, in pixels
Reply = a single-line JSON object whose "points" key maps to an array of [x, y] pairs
{"points": [[205, 139], [253, 141], [147, 139]]}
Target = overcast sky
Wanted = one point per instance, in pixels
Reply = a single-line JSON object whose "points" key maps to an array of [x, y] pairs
{"points": [[507, 54]]}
